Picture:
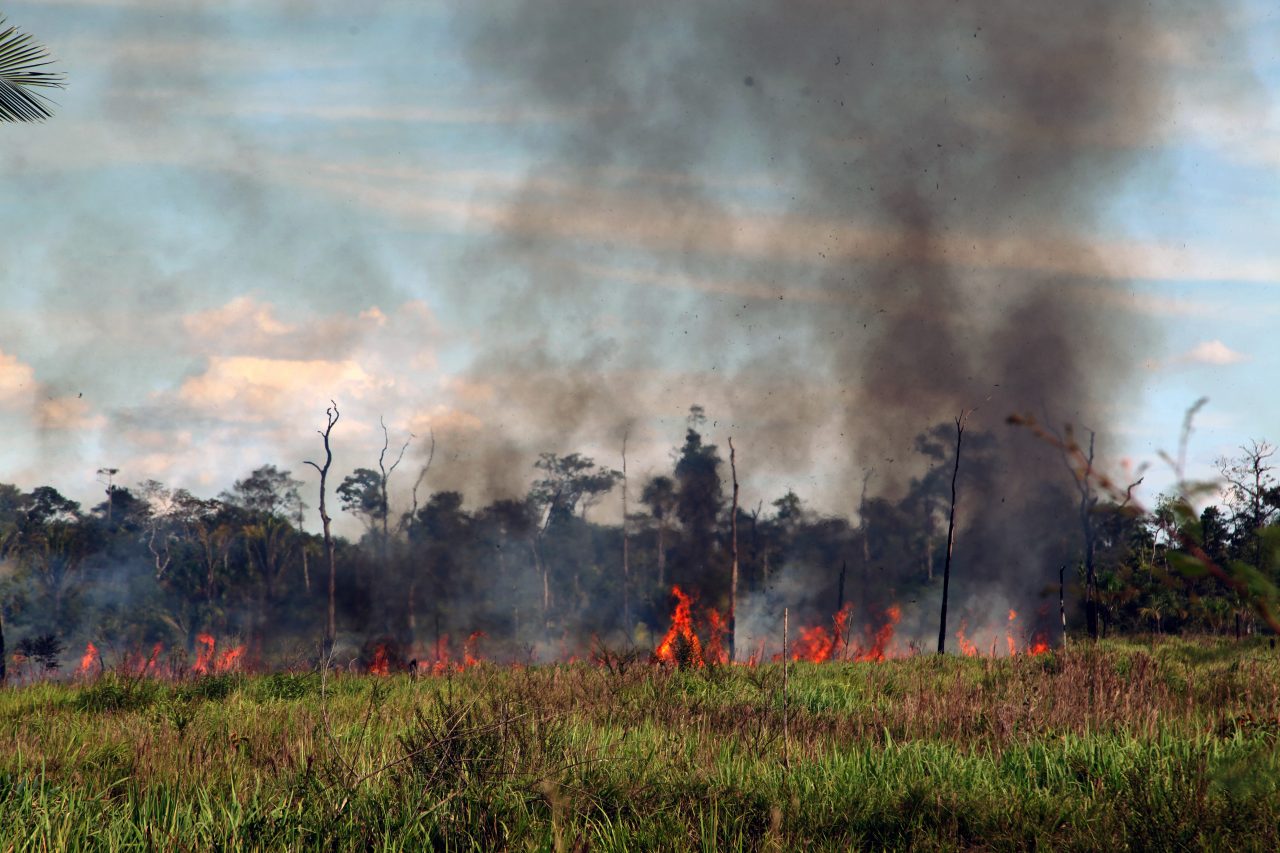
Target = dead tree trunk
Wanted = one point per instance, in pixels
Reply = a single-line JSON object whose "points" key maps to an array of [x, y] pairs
{"points": [[1062, 603], [1088, 500], [385, 510], [733, 545], [951, 537], [864, 529], [626, 549], [330, 628]]}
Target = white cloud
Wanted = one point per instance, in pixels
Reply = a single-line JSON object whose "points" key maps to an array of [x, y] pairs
{"points": [[1214, 353]]}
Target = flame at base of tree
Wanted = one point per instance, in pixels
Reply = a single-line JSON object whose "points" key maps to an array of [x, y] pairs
{"points": [[680, 645]]}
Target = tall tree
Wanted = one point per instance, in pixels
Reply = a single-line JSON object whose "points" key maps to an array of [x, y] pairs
{"points": [[568, 482], [330, 626], [659, 495], [699, 499], [272, 506], [626, 548], [951, 534], [53, 541], [1254, 499], [733, 522]]}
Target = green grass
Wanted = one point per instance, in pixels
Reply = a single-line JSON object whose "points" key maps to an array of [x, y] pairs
{"points": [[1134, 745]]}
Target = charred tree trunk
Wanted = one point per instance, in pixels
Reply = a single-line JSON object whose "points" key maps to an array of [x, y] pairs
{"points": [[1062, 602], [865, 529], [330, 629], [733, 546], [626, 549], [1087, 502], [844, 568], [951, 538], [662, 553]]}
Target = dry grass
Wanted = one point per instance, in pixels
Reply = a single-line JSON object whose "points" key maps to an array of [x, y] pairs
{"points": [[1142, 745]]}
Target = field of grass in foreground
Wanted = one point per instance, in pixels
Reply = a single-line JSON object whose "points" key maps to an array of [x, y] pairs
{"points": [[1160, 746]]}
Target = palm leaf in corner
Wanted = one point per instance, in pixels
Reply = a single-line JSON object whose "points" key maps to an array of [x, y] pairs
{"points": [[21, 61]]}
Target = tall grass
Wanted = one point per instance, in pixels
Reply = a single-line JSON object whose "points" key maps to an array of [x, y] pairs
{"points": [[1158, 745]]}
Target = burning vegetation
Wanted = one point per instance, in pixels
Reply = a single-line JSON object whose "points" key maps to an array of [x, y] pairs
{"points": [[232, 584], [872, 180]]}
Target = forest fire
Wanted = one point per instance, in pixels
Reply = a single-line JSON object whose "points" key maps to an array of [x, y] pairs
{"points": [[384, 656], [209, 661], [381, 662], [88, 660], [819, 643], [682, 644], [690, 641]]}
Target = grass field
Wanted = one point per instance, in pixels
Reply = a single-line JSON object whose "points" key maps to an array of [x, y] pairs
{"points": [[1159, 746]]}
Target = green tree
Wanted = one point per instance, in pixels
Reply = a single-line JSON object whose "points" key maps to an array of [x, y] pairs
{"points": [[22, 61]]}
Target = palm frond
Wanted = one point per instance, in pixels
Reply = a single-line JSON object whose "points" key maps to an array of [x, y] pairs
{"points": [[21, 61]]}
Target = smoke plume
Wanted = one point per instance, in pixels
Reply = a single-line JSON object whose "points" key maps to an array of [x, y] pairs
{"points": [[882, 208]]}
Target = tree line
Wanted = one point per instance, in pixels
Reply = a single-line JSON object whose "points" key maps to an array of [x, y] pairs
{"points": [[539, 577]]}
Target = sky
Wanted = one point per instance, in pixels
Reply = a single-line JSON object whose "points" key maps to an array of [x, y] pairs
{"points": [[243, 210]]}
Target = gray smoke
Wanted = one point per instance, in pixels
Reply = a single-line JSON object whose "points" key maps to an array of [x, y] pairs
{"points": [[946, 162]]}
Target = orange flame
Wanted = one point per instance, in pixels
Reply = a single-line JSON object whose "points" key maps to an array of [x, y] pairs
{"points": [[208, 661], [967, 647], [814, 645], [381, 663], [204, 657], [228, 660], [88, 660], [880, 640], [681, 629], [153, 662], [469, 656], [719, 626]]}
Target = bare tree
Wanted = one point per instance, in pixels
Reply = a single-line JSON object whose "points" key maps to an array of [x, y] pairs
{"points": [[417, 484], [1080, 462], [626, 546], [1082, 471], [951, 532], [405, 522], [330, 629], [386, 475], [733, 551]]}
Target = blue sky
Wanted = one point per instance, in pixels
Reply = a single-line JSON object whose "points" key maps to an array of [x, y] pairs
{"points": [[243, 209]]}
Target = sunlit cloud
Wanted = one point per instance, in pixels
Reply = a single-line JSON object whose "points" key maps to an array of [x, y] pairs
{"points": [[1213, 353], [17, 379]]}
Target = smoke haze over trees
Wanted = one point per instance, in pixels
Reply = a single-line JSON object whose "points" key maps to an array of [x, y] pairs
{"points": [[837, 224], [536, 579]]}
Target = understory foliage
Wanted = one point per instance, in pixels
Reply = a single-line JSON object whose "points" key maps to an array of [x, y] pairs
{"points": [[151, 565], [1156, 744]]}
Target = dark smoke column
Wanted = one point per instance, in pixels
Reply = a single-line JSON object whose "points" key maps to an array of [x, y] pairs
{"points": [[932, 169]]}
